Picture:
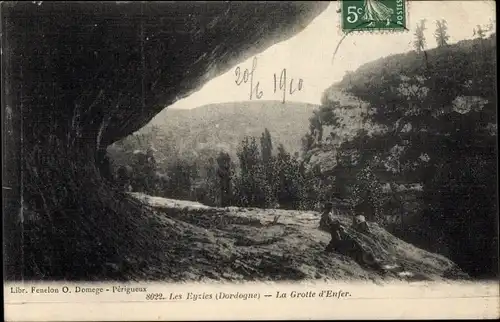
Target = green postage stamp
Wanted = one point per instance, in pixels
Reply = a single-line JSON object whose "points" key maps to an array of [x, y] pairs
{"points": [[367, 15]]}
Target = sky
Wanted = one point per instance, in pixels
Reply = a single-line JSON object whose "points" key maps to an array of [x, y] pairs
{"points": [[307, 56]]}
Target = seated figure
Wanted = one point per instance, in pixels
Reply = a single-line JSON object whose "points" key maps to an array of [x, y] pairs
{"points": [[344, 244], [359, 223], [326, 219], [336, 231]]}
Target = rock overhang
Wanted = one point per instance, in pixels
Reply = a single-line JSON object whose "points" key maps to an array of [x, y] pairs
{"points": [[104, 70]]}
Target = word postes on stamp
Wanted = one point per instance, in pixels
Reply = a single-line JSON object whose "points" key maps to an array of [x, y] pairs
{"points": [[373, 15]]}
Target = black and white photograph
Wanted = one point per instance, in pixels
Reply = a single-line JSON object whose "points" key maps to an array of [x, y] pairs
{"points": [[196, 141]]}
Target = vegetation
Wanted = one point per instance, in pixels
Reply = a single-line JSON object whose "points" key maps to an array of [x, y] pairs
{"points": [[419, 42], [441, 33], [260, 177]]}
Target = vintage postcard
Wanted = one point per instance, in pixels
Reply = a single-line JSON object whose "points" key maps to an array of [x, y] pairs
{"points": [[192, 160]]}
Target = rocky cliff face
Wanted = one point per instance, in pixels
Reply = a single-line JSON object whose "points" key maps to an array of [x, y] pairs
{"points": [[79, 76]]}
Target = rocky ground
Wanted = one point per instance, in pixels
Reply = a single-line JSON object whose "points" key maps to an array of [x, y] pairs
{"points": [[240, 244]]}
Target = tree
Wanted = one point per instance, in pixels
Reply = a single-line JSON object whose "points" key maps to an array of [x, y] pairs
{"points": [[248, 155], [479, 32], [419, 42], [208, 191], [268, 166], [266, 146], [441, 33], [291, 190], [251, 187], [266, 150], [181, 175], [284, 171], [224, 175]]}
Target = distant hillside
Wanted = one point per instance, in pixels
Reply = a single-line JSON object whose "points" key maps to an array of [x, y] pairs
{"points": [[223, 126]]}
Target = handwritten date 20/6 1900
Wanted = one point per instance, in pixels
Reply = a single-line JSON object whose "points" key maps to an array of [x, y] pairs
{"points": [[281, 84]]}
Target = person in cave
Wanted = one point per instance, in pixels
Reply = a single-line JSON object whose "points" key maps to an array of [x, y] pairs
{"points": [[346, 245], [359, 223], [336, 243], [331, 209], [326, 219]]}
